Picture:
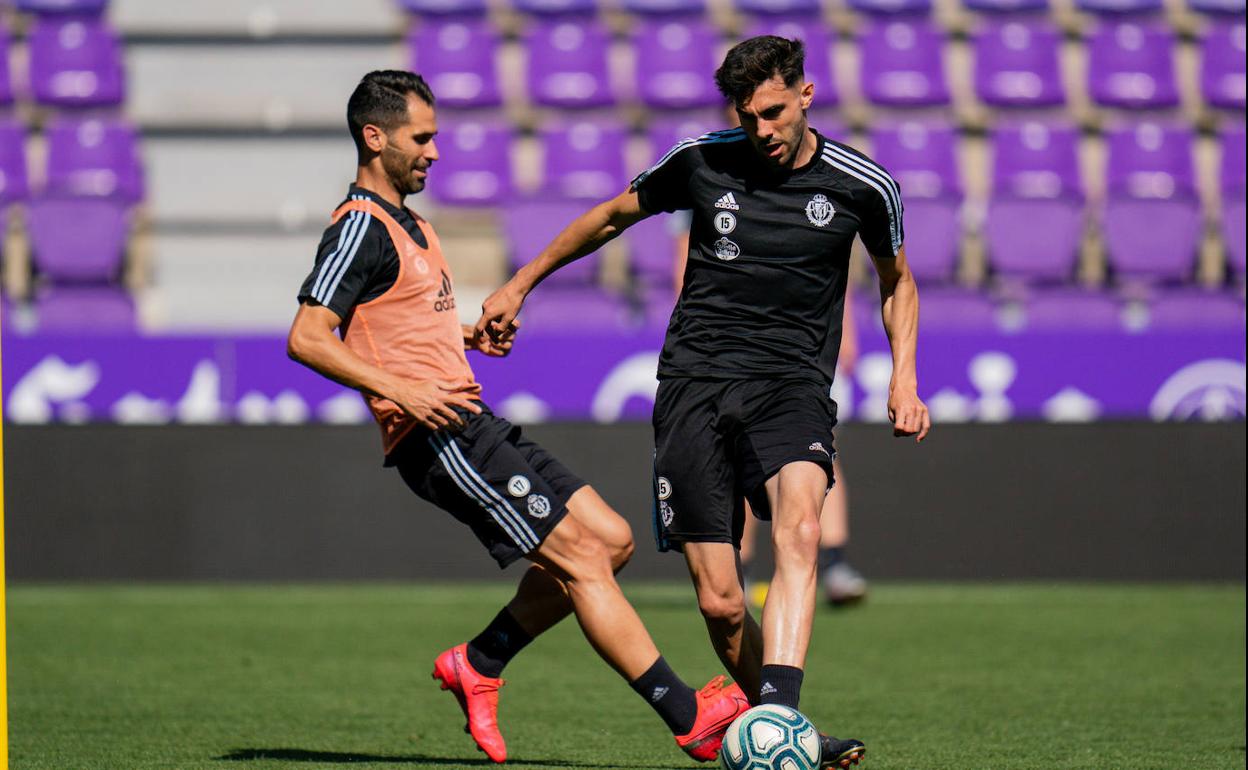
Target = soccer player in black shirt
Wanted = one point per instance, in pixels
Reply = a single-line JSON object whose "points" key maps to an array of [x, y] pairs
{"points": [[742, 410]]}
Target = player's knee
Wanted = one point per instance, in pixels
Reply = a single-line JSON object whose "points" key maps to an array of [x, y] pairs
{"points": [[622, 551], [724, 606], [589, 557], [800, 536]]}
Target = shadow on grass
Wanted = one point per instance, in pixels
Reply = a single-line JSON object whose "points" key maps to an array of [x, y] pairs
{"points": [[346, 757]]}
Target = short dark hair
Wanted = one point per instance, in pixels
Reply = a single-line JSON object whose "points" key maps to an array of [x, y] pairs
{"points": [[753, 62], [381, 100]]}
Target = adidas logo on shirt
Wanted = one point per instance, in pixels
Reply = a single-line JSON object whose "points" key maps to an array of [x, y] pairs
{"points": [[727, 201]]}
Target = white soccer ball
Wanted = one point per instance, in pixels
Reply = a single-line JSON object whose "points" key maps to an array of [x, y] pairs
{"points": [[770, 737]]}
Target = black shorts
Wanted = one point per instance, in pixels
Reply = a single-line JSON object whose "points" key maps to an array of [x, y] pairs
{"points": [[509, 490], [718, 441]]}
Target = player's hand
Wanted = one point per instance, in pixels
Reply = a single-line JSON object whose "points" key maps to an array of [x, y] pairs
{"points": [[908, 413], [498, 314], [432, 403], [483, 343]]}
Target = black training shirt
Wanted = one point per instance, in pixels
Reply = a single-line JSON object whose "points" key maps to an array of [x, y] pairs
{"points": [[357, 261], [765, 281]]}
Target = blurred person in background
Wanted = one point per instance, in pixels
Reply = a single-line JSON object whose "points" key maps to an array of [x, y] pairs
{"points": [[743, 408], [380, 279]]}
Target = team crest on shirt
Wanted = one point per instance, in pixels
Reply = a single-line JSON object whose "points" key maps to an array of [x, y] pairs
{"points": [[820, 210], [539, 506], [726, 249]]}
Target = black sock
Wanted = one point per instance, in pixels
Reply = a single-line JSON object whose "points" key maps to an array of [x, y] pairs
{"points": [[492, 649], [830, 557], [675, 701], [782, 685]]}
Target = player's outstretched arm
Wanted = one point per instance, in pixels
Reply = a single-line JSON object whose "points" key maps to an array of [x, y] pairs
{"points": [[899, 304], [312, 342], [585, 235]]}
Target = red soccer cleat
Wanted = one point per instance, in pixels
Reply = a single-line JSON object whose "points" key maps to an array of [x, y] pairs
{"points": [[718, 706], [477, 696]]}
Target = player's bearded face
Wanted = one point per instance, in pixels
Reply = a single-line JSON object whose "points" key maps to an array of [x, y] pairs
{"points": [[410, 149], [774, 118]]}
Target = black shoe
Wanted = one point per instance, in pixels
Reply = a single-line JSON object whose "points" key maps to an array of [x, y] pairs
{"points": [[835, 752]]}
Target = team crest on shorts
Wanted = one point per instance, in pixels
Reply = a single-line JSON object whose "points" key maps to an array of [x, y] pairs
{"points": [[665, 488], [820, 210], [518, 486], [539, 506], [667, 513], [726, 249]]}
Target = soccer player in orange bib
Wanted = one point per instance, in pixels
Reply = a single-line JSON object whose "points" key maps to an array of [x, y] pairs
{"points": [[382, 283]]}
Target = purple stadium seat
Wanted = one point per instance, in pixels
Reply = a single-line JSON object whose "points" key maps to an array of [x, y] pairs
{"points": [[1222, 78], [664, 7], [666, 130], [568, 62], [892, 7], [456, 56], [923, 160], [75, 62], [584, 160], [1016, 65], [1035, 214], [818, 42], [1130, 65], [571, 309], [1071, 309], [529, 225], [6, 81], [474, 167], [675, 60], [1196, 308], [84, 310], [903, 64], [1232, 183], [1006, 6], [1217, 7], [1152, 219], [424, 8], [1120, 7], [556, 7], [94, 158], [75, 240], [81, 7], [652, 250], [803, 8], [13, 185]]}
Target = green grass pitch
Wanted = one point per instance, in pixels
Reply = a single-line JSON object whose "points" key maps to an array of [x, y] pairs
{"points": [[308, 677]]}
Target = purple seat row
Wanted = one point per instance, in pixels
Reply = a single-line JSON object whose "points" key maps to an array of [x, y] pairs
{"points": [[1151, 217], [74, 61], [85, 157], [1016, 62], [871, 7]]}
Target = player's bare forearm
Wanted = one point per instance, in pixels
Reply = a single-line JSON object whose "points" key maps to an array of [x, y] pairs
{"points": [[312, 342], [585, 235], [899, 307]]}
